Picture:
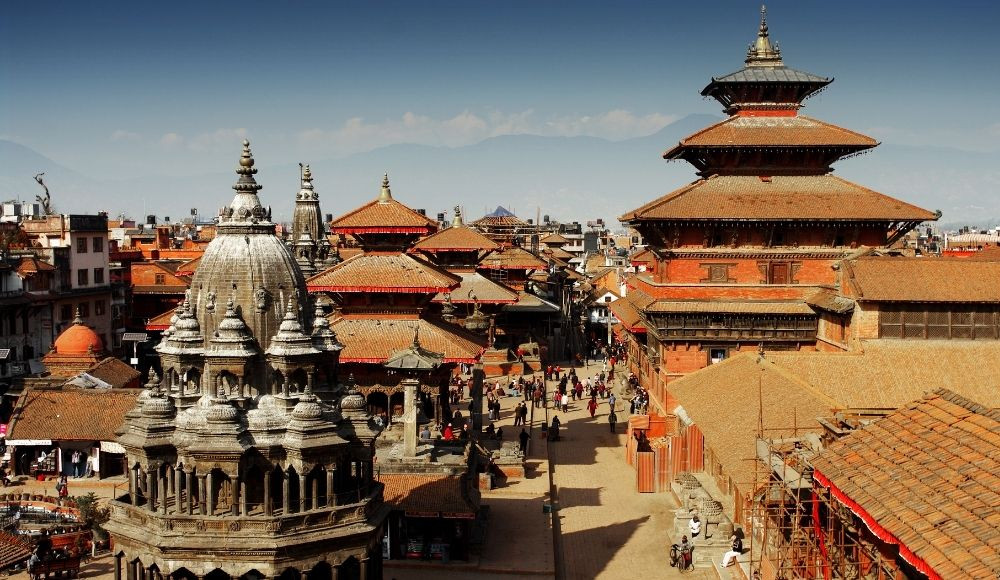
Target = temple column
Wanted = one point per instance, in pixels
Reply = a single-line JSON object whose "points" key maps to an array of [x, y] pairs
{"points": [[161, 491], [118, 567], [133, 473], [314, 497], [364, 568], [189, 485], [243, 497], [303, 492], [330, 497], [267, 493], [210, 491], [130, 570], [285, 494], [202, 496], [179, 491], [170, 480], [151, 491]]}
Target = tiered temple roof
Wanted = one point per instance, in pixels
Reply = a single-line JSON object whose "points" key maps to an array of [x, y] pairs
{"points": [[383, 215], [384, 272]]}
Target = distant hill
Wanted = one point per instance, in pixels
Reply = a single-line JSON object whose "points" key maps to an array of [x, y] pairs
{"points": [[569, 178]]}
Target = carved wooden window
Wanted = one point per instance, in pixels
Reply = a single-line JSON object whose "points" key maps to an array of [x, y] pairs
{"points": [[717, 273]]}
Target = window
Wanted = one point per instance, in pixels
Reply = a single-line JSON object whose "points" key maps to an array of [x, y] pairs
{"points": [[84, 308], [82, 277], [98, 274], [81, 245], [66, 312], [99, 307], [716, 355], [98, 245], [160, 279]]}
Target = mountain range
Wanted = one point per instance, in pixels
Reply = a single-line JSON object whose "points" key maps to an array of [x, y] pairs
{"points": [[568, 178]]}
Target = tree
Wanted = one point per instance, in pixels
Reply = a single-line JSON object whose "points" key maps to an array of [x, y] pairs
{"points": [[93, 514]]}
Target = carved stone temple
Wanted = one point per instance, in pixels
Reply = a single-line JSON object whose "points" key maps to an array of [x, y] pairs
{"points": [[247, 460]]}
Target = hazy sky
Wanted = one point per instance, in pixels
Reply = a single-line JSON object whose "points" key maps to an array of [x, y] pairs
{"points": [[120, 89]]}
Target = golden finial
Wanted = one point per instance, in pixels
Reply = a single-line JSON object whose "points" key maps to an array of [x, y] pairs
{"points": [[761, 52], [457, 222], [385, 195]]}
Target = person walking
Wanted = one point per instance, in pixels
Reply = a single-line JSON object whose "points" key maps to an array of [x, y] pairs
{"points": [[612, 419], [524, 437], [685, 549], [565, 403], [592, 406]]}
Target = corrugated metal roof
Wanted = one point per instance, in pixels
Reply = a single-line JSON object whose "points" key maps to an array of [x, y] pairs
{"points": [[769, 74]]}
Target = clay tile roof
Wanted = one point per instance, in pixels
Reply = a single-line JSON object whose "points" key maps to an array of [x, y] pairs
{"points": [[938, 497], [798, 131], [830, 301], [427, 494], [376, 272], [723, 400], [484, 290], [643, 257], [14, 549], [554, 239], [188, 268], [889, 279], [455, 239], [116, 373], [368, 340], [382, 217], [160, 321], [798, 197], [514, 258], [71, 415], [558, 253], [888, 373], [31, 265], [628, 314], [728, 307]]}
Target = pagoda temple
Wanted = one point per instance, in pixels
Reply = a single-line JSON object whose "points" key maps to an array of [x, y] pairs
{"points": [[736, 254], [381, 299]]}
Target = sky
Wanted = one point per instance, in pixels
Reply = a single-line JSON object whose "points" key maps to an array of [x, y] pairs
{"points": [[131, 89]]}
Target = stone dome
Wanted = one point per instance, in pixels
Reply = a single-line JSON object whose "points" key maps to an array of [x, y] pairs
{"points": [[248, 263], [79, 339]]}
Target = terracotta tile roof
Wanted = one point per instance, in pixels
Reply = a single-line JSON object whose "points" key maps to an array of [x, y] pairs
{"points": [[484, 290], [14, 549], [558, 253], [553, 239], [723, 401], [889, 279], [528, 302], [929, 475], [116, 373], [513, 258], [728, 307], [830, 301], [798, 197], [455, 239], [627, 313], [798, 131], [160, 321], [71, 414], [643, 257], [489, 221], [427, 494], [376, 217], [377, 272], [889, 373], [369, 340], [31, 265]]}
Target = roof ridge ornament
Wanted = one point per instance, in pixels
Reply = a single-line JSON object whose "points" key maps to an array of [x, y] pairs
{"points": [[761, 52], [246, 182], [385, 196]]}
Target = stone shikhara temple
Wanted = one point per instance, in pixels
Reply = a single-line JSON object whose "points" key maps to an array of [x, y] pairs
{"points": [[246, 459]]}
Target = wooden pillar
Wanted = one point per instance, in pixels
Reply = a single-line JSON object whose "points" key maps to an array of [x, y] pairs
{"points": [[285, 494], [267, 492], [330, 494]]}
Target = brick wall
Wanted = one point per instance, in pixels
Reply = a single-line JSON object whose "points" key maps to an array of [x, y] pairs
{"points": [[864, 323]]}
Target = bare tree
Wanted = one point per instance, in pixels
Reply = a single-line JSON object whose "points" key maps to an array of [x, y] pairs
{"points": [[47, 200]]}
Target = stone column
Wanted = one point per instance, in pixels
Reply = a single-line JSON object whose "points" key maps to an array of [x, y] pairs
{"points": [[285, 493], [410, 417], [118, 567], [189, 485], [210, 494], [303, 492], [314, 496], [170, 480], [130, 570], [477, 400], [133, 474], [330, 490], [364, 569], [179, 491], [267, 493], [202, 495], [151, 490], [243, 497], [161, 492]]}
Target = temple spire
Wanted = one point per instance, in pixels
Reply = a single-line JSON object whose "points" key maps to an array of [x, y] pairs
{"points": [[385, 196], [245, 208], [245, 182], [761, 52], [307, 191]]}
